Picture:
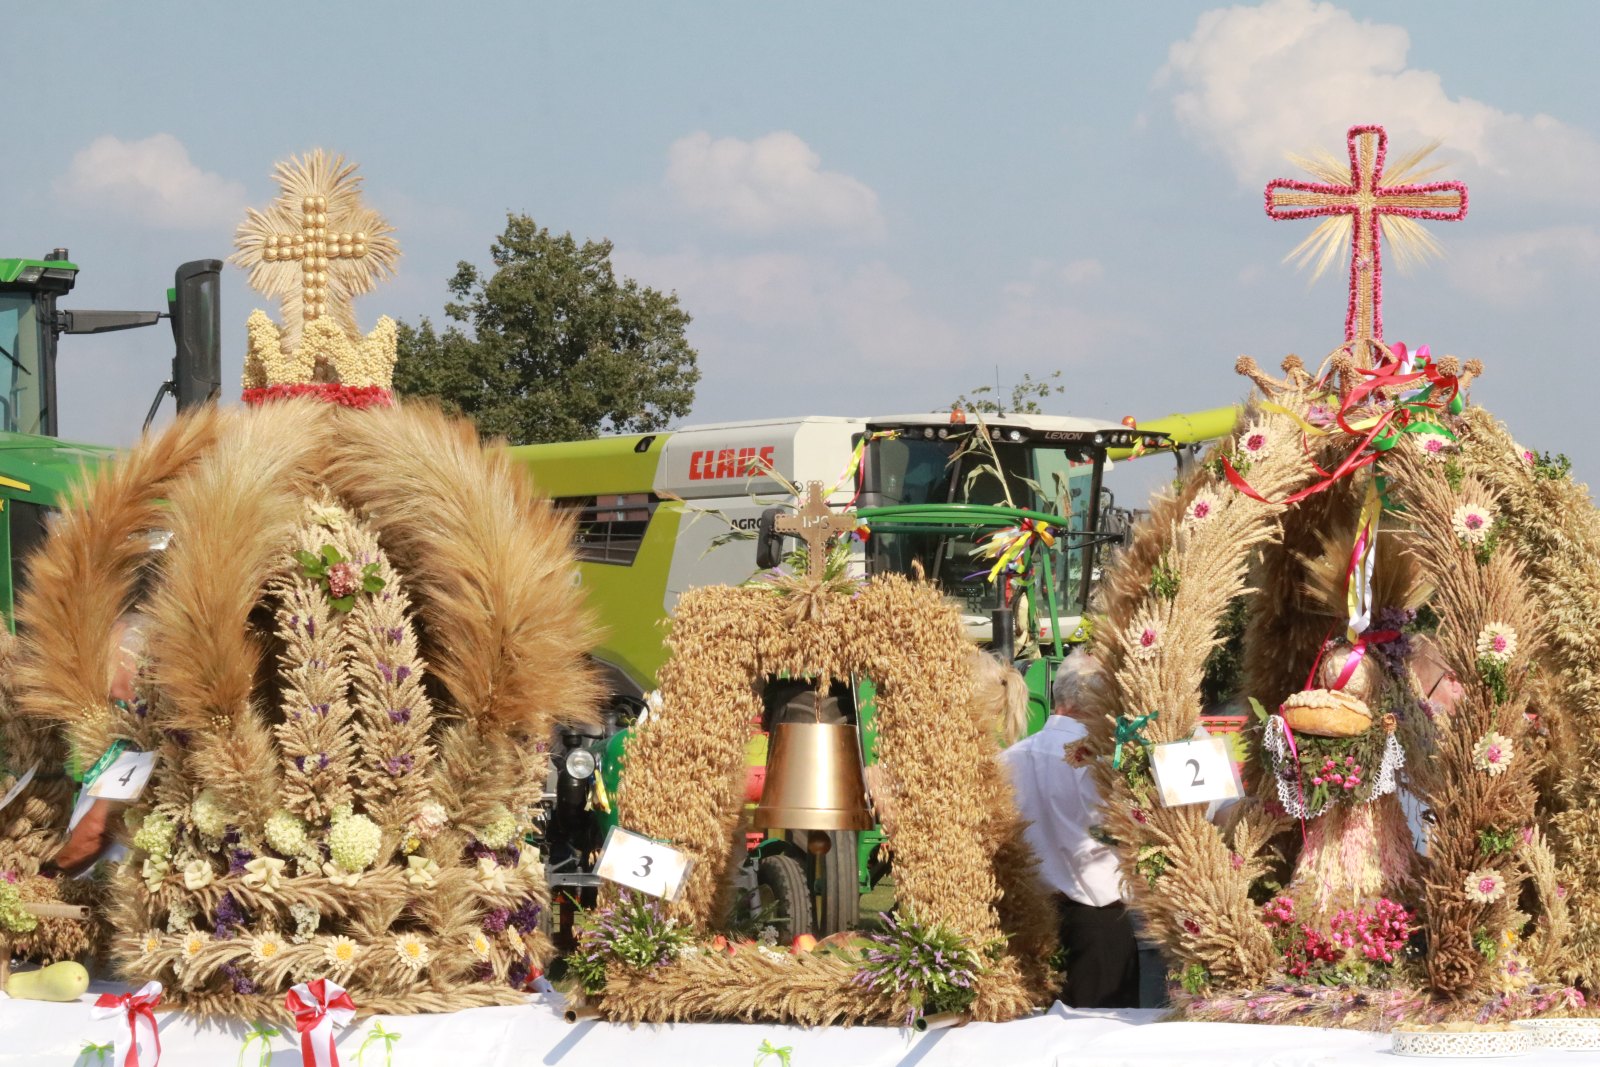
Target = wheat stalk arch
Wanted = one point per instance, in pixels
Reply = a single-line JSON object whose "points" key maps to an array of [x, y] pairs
{"points": [[684, 784]]}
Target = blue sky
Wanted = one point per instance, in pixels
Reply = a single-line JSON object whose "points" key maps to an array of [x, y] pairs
{"points": [[865, 207]]}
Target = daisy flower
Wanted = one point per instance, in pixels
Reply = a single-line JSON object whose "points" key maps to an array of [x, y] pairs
{"points": [[411, 949], [1472, 522], [152, 942], [1498, 642], [1254, 443], [340, 952], [1485, 885], [1493, 753], [1144, 639], [479, 942], [1202, 507], [1433, 445], [194, 943], [267, 947]]}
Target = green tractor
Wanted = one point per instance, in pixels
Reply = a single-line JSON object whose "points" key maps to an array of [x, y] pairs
{"points": [[36, 467]]}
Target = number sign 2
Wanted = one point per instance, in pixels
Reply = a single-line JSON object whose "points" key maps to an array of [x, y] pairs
{"points": [[1195, 772], [643, 863]]}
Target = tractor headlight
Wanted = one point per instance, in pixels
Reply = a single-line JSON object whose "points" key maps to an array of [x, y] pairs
{"points": [[580, 763]]}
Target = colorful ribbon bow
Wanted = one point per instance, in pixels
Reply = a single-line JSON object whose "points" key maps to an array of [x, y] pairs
{"points": [[1128, 731], [263, 1033], [378, 1033], [318, 1007], [767, 1049], [138, 1011], [1006, 547]]}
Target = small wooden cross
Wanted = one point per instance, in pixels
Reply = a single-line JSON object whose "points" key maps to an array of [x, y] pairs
{"points": [[816, 524], [1366, 199]]}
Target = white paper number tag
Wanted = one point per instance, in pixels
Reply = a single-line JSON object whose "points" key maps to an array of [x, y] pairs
{"points": [[126, 777], [1195, 772], [641, 863], [22, 783]]}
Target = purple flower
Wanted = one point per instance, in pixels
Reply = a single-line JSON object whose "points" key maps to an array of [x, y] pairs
{"points": [[311, 628], [399, 714], [229, 916], [495, 921], [398, 765], [241, 984], [526, 917], [395, 634], [517, 973], [237, 860]]}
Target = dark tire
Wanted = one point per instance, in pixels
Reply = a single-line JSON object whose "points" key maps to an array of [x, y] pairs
{"points": [[783, 879], [839, 907]]}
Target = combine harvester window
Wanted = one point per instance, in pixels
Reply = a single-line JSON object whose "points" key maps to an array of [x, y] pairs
{"points": [[611, 528]]}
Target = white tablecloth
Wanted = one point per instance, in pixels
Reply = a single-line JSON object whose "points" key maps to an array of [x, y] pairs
{"points": [[35, 1033]]}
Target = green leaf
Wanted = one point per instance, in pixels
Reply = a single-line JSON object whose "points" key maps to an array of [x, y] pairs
{"points": [[331, 555], [343, 603], [306, 559], [372, 584], [1255, 706]]}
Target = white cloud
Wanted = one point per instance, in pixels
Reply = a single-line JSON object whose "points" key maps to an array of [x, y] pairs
{"points": [[772, 184], [867, 324], [151, 181], [1252, 83], [1514, 269]]}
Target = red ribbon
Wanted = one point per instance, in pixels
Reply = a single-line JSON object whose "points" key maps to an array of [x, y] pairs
{"points": [[317, 1007], [1387, 375], [135, 1008], [1358, 652]]}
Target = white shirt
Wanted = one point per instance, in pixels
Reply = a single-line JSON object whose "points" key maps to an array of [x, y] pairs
{"points": [[1060, 802]]}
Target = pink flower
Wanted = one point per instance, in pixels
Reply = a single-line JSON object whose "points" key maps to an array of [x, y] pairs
{"points": [[344, 579], [1140, 816], [1485, 885], [1528, 457], [1236, 860]]}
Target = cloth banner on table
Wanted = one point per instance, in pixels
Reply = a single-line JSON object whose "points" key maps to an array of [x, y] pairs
{"points": [[137, 1011]]}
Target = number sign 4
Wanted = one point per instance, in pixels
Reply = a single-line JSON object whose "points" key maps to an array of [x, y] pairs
{"points": [[1195, 772], [643, 863], [126, 777]]}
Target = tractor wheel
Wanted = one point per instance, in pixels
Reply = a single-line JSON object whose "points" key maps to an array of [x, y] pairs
{"points": [[839, 906], [781, 883]]}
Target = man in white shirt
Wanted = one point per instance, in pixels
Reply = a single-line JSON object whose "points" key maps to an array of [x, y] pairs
{"points": [[1061, 803]]}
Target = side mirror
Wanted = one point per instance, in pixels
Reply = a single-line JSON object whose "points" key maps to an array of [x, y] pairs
{"points": [[769, 542], [197, 332]]}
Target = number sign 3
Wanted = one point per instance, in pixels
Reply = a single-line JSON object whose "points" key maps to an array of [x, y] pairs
{"points": [[643, 863], [1195, 772]]}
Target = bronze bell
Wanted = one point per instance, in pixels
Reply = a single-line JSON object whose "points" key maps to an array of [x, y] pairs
{"points": [[813, 780]]}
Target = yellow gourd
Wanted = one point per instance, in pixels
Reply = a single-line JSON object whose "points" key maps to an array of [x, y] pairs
{"points": [[60, 982]]}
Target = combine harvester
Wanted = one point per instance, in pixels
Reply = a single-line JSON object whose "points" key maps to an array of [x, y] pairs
{"points": [[661, 513]]}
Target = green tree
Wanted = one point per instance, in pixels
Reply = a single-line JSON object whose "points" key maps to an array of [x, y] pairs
{"points": [[1025, 396], [552, 346]]}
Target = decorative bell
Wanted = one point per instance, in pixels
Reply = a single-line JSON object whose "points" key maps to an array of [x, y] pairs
{"points": [[814, 780]]}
